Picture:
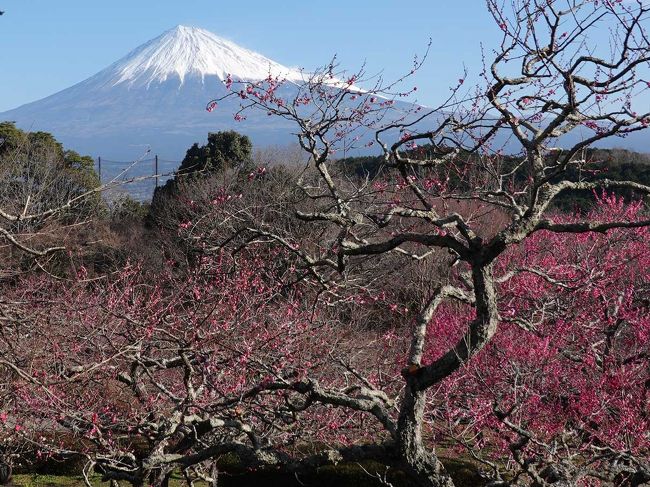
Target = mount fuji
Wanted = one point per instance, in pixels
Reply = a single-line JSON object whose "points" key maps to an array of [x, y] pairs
{"points": [[156, 96]]}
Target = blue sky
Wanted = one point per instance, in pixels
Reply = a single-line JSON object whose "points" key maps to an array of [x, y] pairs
{"points": [[46, 46]]}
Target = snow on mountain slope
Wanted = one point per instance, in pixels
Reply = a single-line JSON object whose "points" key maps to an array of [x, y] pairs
{"points": [[184, 51]]}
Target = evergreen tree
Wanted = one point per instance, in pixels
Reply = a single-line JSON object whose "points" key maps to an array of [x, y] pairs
{"points": [[227, 149], [36, 170]]}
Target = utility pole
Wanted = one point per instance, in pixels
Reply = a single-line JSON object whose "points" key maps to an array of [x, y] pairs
{"points": [[156, 169], [99, 164]]}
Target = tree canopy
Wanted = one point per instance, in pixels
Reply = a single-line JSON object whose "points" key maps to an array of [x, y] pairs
{"points": [[227, 149]]}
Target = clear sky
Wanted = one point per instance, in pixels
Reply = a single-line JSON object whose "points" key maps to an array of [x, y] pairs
{"points": [[46, 46]]}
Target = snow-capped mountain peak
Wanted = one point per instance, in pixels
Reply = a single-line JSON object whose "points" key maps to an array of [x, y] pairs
{"points": [[190, 51], [156, 97]]}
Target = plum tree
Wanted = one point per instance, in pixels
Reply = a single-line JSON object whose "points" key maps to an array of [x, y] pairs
{"points": [[546, 81]]}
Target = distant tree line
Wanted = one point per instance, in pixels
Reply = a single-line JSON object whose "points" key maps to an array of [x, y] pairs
{"points": [[596, 164]]}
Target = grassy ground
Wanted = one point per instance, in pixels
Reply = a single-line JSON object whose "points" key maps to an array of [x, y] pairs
{"points": [[48, 481], [350, 475], [37, 480]]}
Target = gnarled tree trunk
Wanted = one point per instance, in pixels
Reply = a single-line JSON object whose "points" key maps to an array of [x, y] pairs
{"points": [[420, 463]]}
